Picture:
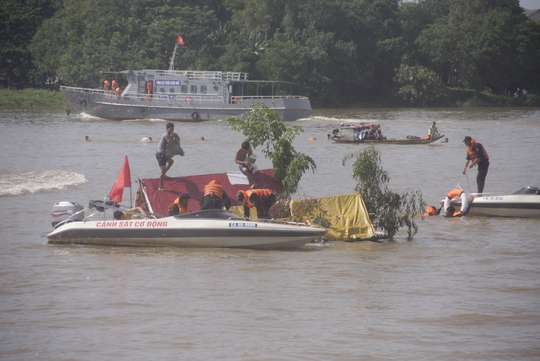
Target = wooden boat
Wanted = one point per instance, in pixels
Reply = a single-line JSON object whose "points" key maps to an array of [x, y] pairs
{"points": [[346, 134]]}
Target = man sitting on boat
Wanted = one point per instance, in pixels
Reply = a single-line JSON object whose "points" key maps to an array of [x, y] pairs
{"points": [[261, 199], [180, 205], [450, 210], [433, 131], [214, 196], [374, 132], [243, 163]]}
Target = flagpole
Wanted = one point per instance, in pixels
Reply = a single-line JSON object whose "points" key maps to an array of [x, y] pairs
{"points": [[171, 64]]}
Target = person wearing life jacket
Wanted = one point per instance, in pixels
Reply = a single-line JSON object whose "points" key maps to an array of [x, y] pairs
{"points": [[114, 84], [149, 90], [431, 211], [118, 92], [180, 205], [214, 196], [450, 211], [477, 155], [260, 198], [106, 84]]}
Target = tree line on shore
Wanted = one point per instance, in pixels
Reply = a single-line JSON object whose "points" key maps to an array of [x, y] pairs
{"points": [[336, 51]]}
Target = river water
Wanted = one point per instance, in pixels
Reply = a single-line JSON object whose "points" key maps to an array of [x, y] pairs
{"points": [[463, 289]]}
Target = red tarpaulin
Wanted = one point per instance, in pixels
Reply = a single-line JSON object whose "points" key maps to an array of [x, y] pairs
{"points": [[232, 182]]}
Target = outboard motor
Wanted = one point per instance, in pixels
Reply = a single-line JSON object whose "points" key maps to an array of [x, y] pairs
{"points": [[64, 210]]}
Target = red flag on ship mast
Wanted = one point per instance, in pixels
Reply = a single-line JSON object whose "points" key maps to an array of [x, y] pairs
{"points": [[180, 40], [122, 181]]}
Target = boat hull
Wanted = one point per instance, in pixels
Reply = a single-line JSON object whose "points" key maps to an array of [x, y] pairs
{"points": [[178, 232], [97, 103], [518, 206], [511, 205], [387, 141]]}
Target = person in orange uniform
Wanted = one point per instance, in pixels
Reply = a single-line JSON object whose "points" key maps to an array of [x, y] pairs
{"points": [[261, 198], [106, 85], [118, 92], [149, 90], [214, 196], [450, 211], [114, 84], [477, 155], [180, 205]]}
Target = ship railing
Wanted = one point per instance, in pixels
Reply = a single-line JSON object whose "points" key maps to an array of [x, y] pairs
{"points": [[205, 75], [175, 99]]}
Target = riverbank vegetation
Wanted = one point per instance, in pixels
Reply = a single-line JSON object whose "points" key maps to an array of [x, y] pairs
{"points": [[339, 53], [32, 98]]}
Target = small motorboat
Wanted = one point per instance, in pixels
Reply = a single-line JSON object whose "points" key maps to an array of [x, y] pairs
{"points": [[523, 203], [205, 228]]}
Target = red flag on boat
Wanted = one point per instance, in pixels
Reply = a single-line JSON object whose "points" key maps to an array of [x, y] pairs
{"points": [[180, 40], [122, 181]]}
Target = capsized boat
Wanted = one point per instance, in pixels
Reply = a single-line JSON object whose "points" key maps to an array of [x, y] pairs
{"points": [[523, 203], [206, 228], [186, 95], [357, 135]]}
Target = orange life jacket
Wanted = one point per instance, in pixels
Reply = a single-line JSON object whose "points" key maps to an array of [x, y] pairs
{"points": [[181, 209], [262, 193], [214, 187], [113, 84], [455, 193], [430, 211], [472, 153]]}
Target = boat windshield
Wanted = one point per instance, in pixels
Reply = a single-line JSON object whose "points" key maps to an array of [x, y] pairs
{"points": [[528, 190]]}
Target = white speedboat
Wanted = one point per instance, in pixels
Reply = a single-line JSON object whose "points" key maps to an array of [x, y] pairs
{"points": [[207, 228], [523, 203]]}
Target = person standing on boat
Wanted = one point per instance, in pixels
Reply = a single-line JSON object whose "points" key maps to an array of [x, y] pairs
{"points": [[432, 131], [262, 199], [165, 163], [477, 155], [106, 85], [243, 162], [180, 205], [214, 196], [149, 90]]}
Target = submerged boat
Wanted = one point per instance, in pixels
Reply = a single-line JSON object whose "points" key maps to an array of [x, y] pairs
{"points": [[357, 135], [206, 228], [523, 203], [186, 95]]}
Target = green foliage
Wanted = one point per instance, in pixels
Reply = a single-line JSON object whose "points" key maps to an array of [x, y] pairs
{"points": [[31, 98], [418, 85], [263, 127], [338, 52], [389, 211]]}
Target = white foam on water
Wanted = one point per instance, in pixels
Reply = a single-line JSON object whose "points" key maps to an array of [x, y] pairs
{"points": [[19, 183]]}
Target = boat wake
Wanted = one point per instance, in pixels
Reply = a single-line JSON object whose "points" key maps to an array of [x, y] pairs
{"points": [[20, 183]]}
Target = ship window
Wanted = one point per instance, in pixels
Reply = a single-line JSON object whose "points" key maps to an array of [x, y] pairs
{"points": [[216, 88], [171, 90], [193, 89], [203, 88], [183, 88]]}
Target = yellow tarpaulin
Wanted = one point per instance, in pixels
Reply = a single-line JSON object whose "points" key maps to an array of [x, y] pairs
{"points": [[346, 214]]}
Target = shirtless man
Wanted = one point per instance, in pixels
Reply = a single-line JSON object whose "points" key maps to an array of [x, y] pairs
{"points": [[243, 163]]}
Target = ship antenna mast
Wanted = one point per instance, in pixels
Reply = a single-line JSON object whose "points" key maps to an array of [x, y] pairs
{"points": [[171, 64]]}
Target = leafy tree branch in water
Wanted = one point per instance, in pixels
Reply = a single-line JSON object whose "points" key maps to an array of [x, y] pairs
{"points": [[263, 127], [388, 211]]}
